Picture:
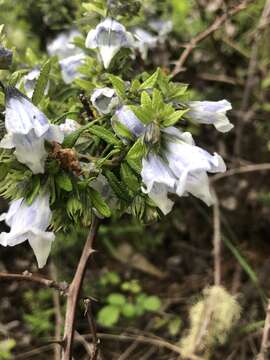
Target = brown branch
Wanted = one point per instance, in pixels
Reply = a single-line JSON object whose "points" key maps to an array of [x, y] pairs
{"points": [[217, 243], [89, 314], [251, 72], [263, 355], [241, 170], [219, 21], [27, 276], [74, 292]]}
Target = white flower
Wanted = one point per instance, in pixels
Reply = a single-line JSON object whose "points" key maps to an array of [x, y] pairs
{"points": [[158, 180], [62, 46], [69, 126], [29, 82], [109, 37], [29, 223], [161, 27], [190, 164], [71, 56], [27, 129], [211, 112], [145, 41], [104, 100], [69, 67], [127, 118], [180, 169]]}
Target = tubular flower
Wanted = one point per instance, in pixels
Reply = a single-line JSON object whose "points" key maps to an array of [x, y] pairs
{"points": [[69, 126], [71, 57], [29, 82], [27, 129], [108, 37], [211, 112], [179, 167], [127, 118], [144, 41], [29, 223], [104, 100]]}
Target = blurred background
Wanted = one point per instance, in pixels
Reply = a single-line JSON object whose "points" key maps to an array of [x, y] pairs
{"points": [[148, 280]]}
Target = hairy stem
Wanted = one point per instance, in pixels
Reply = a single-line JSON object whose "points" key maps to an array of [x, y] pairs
{"points": [[74, 292]]}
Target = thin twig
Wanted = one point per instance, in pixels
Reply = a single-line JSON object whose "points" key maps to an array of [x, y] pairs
{"points": [[252, 66], [74, 291], [217, 242], [219, 21], [57, 313], [27, 276], [241, 170], [89, 314], [264, 351]]}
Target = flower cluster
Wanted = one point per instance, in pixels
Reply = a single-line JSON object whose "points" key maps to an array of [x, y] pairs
{"points": [[125, 151]]}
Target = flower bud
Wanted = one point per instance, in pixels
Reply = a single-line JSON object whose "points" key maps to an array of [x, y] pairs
{"points": [[152, 134], [138, 207]]}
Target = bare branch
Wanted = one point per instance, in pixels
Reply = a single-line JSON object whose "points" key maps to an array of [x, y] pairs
{"points": [[264, 351], [241, 170], [74, 291], [204, 34], [27, 276]]}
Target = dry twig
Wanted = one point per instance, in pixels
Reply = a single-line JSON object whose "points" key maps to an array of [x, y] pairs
{"points": [[204, 34], [264, 351]]}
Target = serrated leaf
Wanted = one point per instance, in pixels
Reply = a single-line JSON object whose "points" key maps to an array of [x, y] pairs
{"points": [[104, 134], [135, 155], [90, 7], [157, 100], [174, 118], [41, 83], [84, 84], [121, 130], [70, 140], [135, 85], [129, 178], [117, 186], [99, 203], [63, 181], [143, 114], [118, 85], [151, 81], [146, 99], [35, 190]]}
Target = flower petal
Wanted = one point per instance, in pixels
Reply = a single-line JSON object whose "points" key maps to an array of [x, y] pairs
{"points": [[127, 118]]}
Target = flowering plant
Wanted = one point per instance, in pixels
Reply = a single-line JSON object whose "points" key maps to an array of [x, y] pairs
{"points": [[117, 141]]}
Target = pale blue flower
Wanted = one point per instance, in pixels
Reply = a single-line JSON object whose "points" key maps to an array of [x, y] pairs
{"points": [[144, 41], [161, 27], [29, 81], [108, 37], [69, 126], [27, 129], [104, 100], [127, 118], [71, 57], [211, 112], [29, 222]]}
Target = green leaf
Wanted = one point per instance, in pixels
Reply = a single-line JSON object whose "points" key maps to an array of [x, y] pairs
{"points": [[118, 84], [143, 114], [129, 178], [108, 315], [117, 186], [105, 135], [174, 326], [174, 118], [146, 99], [135, 155], [121, 130], [151, 81], [128, 310], [41, 83], [157, 100], [84, 84], [35, 190], [99, 203], [97, 7], [3, 171], [152, 303], [116, 299], [63, 181]]}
